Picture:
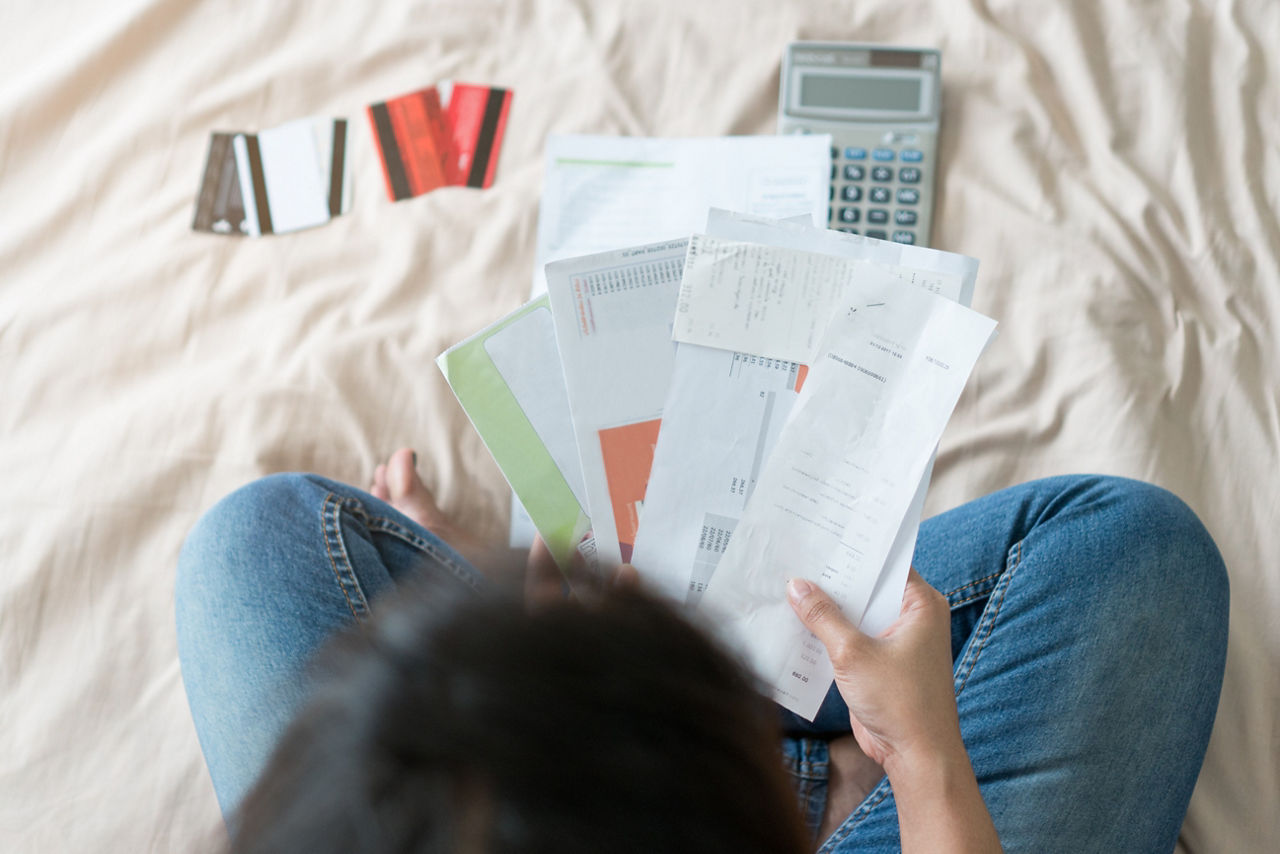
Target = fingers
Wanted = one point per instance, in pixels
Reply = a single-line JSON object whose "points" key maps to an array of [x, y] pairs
{"points": [[921, 594], [543, 581], [915, 581], [822, 616], [540, 560], [626, 577]]}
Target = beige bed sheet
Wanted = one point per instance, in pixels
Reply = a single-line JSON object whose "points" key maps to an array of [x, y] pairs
{"points": [[1114, 165]]}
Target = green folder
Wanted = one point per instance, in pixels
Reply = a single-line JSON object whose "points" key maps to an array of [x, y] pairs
{"points": [[508, 379]]}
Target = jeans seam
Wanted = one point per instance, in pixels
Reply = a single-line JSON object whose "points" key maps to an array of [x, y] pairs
{"points": [[330, 515], [972, 598], [386, 525], [873, 799], [974, 583], [812, 771], [988, 621]]}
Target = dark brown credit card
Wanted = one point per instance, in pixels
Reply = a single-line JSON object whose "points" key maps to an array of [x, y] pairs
{"points": [[219, 205]]}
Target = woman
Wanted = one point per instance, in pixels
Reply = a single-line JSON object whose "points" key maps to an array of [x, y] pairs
{"points": [[1057, 694]]}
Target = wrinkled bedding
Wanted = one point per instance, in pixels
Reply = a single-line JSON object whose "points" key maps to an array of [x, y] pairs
{"points": [[1114, 165]]}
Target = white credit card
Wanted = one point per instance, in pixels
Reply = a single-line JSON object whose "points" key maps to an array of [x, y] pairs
{"points": [[293, 176]]}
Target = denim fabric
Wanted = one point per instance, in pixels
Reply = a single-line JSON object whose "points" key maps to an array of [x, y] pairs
{"points": [[1088, 630], [265, 577]]}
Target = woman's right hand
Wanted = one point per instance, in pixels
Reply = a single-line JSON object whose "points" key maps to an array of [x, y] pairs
{"points": [[898, 686], [902, 707]]}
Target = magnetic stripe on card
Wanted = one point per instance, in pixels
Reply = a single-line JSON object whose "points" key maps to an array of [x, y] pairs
{"points": [[392, 165], [485, 139], [337, 167], [259, 183]]}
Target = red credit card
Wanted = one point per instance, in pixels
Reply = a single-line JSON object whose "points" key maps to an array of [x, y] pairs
{"points": [[477, 116], [413, 143]]}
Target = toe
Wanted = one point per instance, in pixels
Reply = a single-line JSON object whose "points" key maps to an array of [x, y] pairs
{"points": [[407, 493], [404, 484], [379, 488]]}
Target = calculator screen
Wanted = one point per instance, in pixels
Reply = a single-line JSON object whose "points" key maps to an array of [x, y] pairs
{"points": [[861, 92]]}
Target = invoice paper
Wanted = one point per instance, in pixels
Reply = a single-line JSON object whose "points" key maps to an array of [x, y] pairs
{"points": [[609, 192], [613, 325], [831, 499], [768, 300], [722, 418], [947, 274], [948, 270]]}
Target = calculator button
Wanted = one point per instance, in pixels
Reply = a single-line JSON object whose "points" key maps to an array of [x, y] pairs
{"points": [[835, 152], [831, 212], [831, 192], [909, 175], [904, 217], [904, 237], [879, 195], [851, 193], [883, 154], [854, 173], [875, 232], [908, 196], [849, 230], [883, 173], [849, 214], [855, 154], [834, 171], [878, 216], [912, 155]]}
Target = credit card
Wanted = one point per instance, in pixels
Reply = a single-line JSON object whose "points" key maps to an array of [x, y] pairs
{"points": [[293, 176], [412, 142], [219, 206], [477, 118]]}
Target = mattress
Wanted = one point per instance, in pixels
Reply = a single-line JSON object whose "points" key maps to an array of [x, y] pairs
{"points": [[1113, 165]]}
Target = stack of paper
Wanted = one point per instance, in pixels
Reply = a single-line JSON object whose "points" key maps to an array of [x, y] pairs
{"points": [[606, 192], [732, 408], [839, 496]]}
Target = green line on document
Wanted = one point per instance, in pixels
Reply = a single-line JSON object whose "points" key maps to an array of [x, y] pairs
{"points": [[579, 161]]}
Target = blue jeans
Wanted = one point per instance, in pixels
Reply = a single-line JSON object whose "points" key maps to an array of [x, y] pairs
{"points": [[1088, 625]]}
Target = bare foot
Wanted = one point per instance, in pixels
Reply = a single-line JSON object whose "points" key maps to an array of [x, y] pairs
{"points": [[396, 482]]}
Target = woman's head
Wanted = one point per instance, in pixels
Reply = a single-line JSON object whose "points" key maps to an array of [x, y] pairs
{"points": [[481, 725]]}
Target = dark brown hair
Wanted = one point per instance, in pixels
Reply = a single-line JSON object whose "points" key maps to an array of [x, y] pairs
{"points": [[478, 724]]}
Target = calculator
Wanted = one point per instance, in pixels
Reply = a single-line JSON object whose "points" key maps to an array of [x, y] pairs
{"points": [[881, 105]]}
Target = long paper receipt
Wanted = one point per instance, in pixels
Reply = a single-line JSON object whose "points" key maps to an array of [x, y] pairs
{"points": [[832, 496], [768, 300]]}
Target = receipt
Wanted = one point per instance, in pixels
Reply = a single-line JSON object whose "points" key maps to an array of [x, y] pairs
{"points": [[769, 300], [725, 409], [830, 502], [947, 274], [950, 268]]}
